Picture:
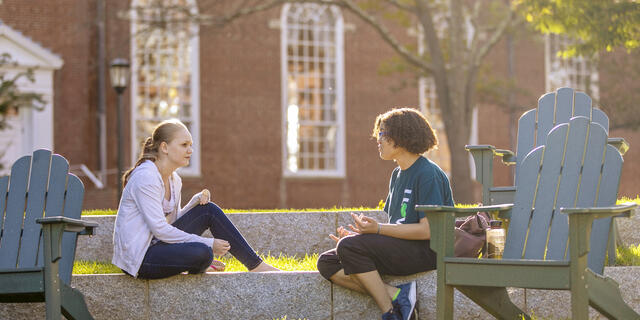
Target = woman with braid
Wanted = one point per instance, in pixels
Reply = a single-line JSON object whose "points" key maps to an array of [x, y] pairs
{"points": [[153, 236]]}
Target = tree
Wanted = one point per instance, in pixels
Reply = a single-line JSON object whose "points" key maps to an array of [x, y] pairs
{"points": [[457, 37], [598, 28], [597, 25], [11, 98]]}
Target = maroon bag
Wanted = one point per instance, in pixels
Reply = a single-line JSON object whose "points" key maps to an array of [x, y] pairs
{"points": [[470, 235]]}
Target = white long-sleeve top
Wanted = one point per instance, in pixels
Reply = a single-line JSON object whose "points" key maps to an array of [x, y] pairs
{"points": [[140, 217]]}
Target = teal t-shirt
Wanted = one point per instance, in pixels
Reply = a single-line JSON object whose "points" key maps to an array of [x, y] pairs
{"points": [[422, 183]]}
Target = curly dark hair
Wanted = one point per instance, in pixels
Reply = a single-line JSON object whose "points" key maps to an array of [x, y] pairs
{"points": [[406, 128]]}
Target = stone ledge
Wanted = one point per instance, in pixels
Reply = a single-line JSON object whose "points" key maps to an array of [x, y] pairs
{"points": [[243, 295], [270, 232], [280, 232]]}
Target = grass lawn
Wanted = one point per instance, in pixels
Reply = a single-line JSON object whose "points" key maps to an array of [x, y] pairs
{"points": [[282, 262], [626, 256]]}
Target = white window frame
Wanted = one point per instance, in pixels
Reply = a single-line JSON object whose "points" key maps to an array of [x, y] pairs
{"points": [[194, 169], [340, 149], [561, 72]]}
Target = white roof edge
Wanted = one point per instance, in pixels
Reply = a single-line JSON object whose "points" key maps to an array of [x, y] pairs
{"points": [[51, 59]]}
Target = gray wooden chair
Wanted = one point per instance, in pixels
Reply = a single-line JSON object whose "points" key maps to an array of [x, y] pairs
{"points": [[40, 207], [553, 108], [533, 126], [562, 186]]}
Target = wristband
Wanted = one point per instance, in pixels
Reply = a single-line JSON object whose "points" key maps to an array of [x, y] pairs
{"points": [[378, 229]]}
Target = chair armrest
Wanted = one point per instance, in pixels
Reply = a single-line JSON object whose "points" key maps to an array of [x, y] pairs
{"points": [[620, 144], [624, 210], [463, 211], [580, 220], [508, 157], [72, 225], [442, 222], [483, 160]]}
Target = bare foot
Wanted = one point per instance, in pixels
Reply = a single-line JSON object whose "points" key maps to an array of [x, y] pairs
{"points": [[263, 267]]}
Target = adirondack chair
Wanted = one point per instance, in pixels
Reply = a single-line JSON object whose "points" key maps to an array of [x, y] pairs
{"points": [[562, 187], [533, 126], [38, 242]]}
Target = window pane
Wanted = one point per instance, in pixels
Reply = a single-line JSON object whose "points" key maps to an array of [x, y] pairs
{"points": [[162, 51], [312, 119]]}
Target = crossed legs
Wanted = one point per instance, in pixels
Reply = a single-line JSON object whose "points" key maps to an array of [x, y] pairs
{"points": [[358, 261]]}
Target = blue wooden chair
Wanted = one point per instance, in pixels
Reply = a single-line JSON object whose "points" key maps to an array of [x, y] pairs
{"points": [[553, 108], [40, 207], [533, 126], [561, 187]]}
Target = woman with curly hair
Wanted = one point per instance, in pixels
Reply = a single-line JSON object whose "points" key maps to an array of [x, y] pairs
{"points": [[400, 246], [153, 236]]}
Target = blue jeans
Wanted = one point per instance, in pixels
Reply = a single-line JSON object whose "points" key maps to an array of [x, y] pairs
{"points": [[167, 259]]}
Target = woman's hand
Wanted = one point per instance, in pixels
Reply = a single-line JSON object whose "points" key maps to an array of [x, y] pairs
{"points": [[205, 196], [220, 247]]}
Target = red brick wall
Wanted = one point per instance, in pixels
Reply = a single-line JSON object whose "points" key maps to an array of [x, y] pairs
{"points": [[240, 105], [64, 27]]}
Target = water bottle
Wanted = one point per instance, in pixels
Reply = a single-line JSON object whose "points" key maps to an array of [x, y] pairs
{"points": [[495, 240]]}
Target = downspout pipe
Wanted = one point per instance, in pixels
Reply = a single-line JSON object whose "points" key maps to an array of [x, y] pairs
{"points": [[102, 101]]}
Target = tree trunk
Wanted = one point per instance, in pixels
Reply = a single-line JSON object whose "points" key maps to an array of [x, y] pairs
{"points": [[464, 190]]}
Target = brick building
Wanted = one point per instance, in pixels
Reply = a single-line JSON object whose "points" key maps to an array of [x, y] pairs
{"points": [[281, 104]]}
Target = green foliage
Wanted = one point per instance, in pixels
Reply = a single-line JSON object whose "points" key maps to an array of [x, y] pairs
{"points": [[598, 25], [10, 97]]}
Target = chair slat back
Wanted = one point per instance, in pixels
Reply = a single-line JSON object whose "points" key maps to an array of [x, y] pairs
{"points": [[72, 209], [553, 108], [27, 256], [609, 184], [575, 168], [52, 191], [14, 213], [4, 185]]}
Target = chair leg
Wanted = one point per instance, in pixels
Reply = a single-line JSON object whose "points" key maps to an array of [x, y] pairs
{"points": [[612, 243], [605, 296], [494, 300], [73, 304], [444, 303]]}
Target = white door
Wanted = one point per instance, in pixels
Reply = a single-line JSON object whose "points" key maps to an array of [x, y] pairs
{"points": [[11, 142]]}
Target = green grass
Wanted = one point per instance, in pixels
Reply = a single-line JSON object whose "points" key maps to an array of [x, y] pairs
{"points": [[627, 200], [628, 256], [282, 262], [94, 267], [625, 256], [100, 212], [380, 206]]}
